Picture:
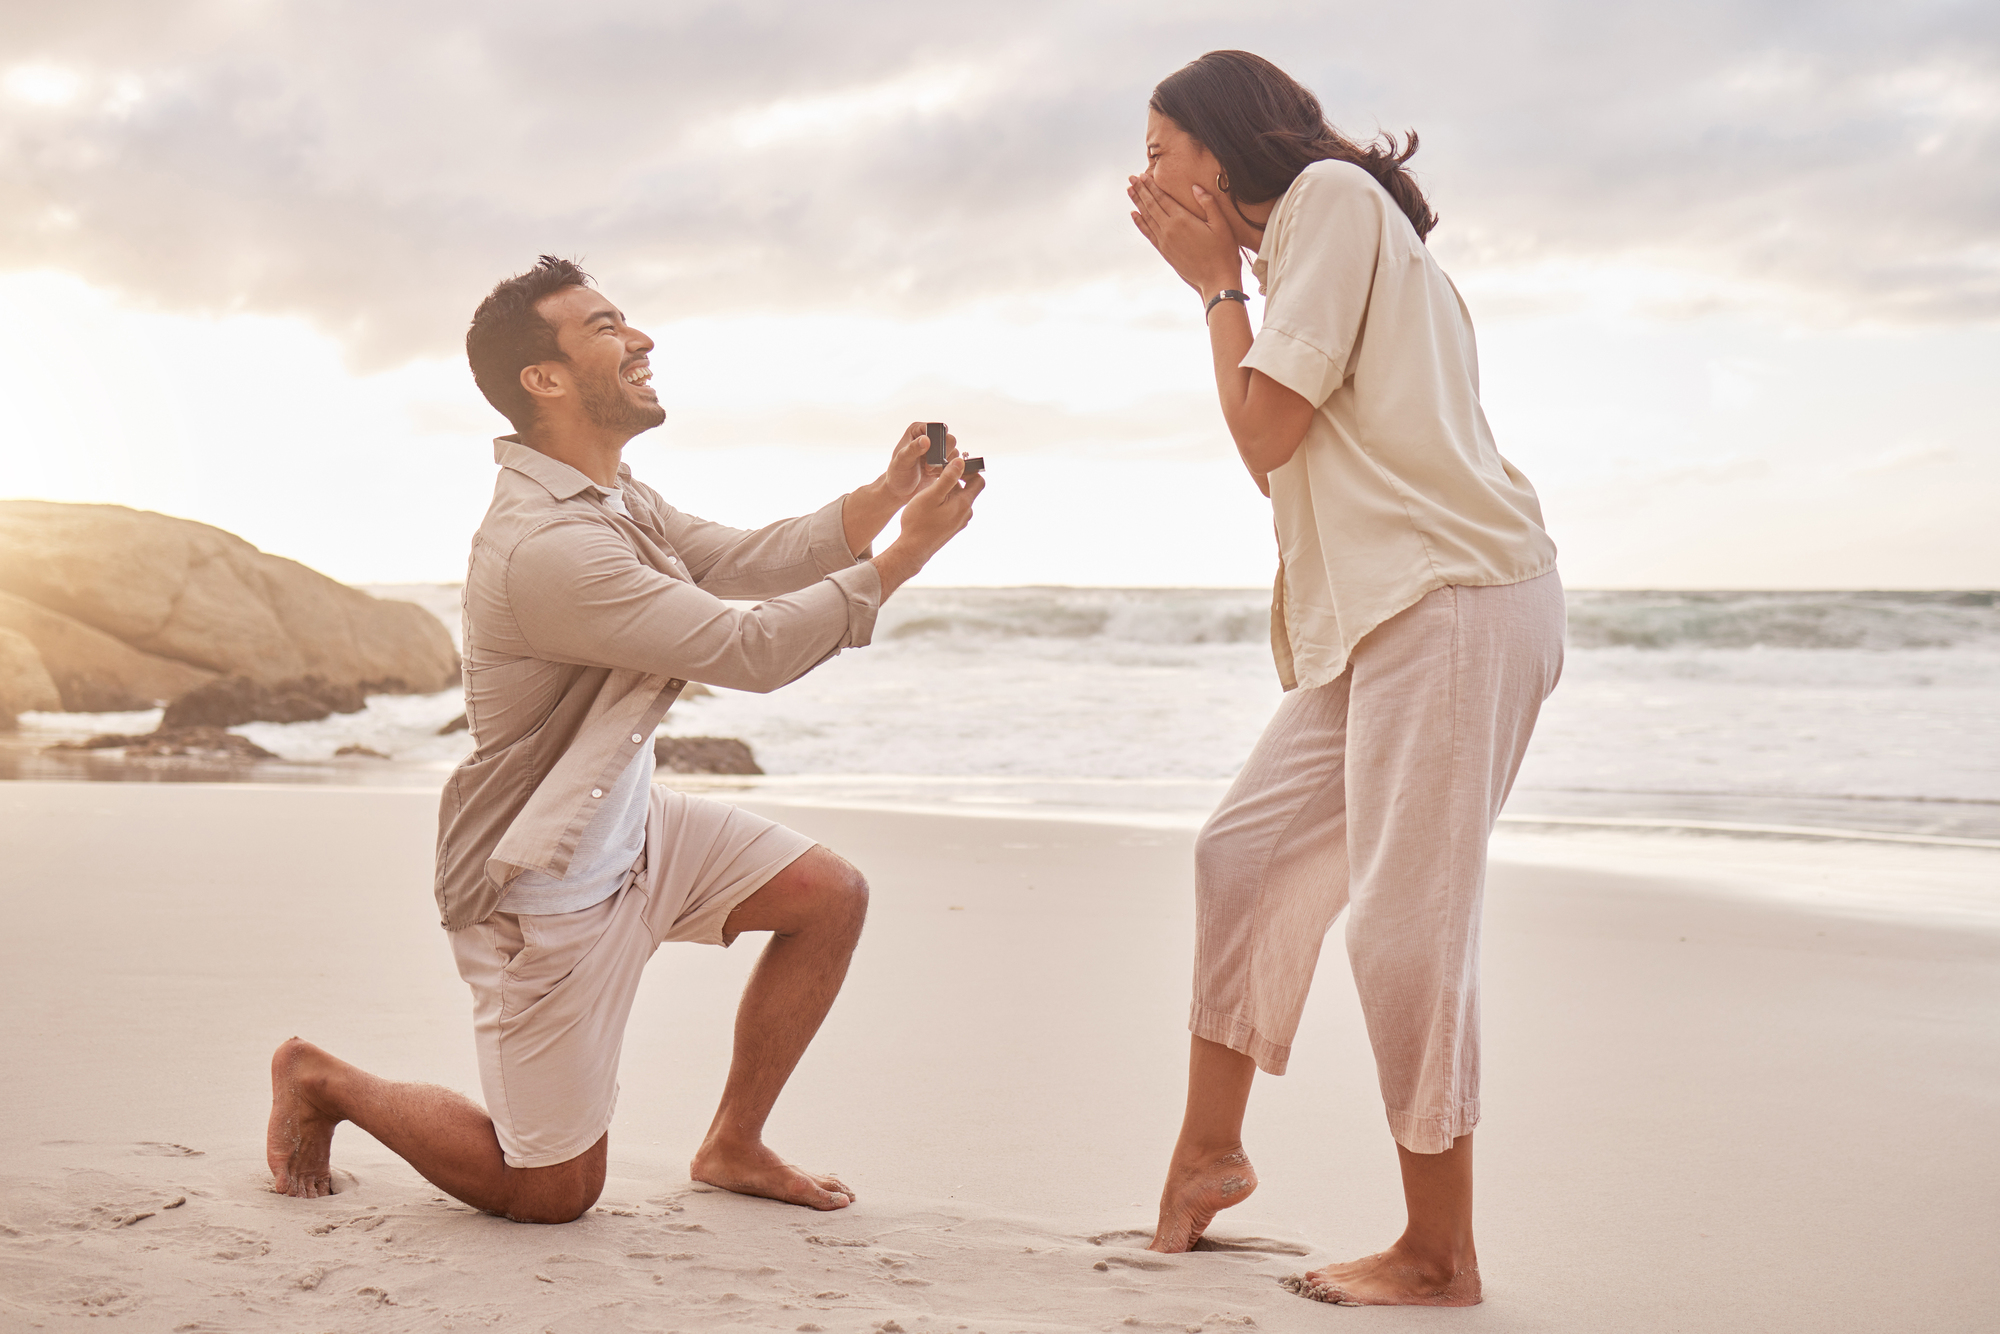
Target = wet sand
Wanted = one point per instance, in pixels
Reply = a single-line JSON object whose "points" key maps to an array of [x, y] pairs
{"points": [[1702, 1112]]}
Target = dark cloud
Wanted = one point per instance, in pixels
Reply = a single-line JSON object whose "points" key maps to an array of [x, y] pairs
{"points": [[376, 166]]}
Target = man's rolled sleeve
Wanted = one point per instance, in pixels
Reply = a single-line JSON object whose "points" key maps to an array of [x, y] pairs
{"points": [[862, 583]]}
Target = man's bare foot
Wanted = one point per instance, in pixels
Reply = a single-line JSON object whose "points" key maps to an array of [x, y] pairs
{"points": [[755, 1170], [1196, 1192], [1395, 1277], [299, 1141]]}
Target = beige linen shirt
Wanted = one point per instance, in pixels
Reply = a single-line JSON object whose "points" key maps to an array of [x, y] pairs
{"points": [[582, 626], [1397, 488]]}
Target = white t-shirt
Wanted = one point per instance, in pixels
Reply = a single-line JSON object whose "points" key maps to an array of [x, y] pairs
{"points": [[609, 844], [1398, 487]]}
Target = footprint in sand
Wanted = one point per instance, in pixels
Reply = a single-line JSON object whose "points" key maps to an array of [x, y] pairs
{"points": [[1253, 1245], [1224, 1244], [161, 1149]]}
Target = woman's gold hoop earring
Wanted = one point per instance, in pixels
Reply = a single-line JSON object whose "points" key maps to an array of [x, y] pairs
{"points": [[1222, 182]]}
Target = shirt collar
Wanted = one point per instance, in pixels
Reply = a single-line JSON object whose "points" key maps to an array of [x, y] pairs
{"points": [[558, 478]]}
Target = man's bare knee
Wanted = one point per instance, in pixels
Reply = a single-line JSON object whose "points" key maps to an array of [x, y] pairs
{"points": [[561, 1193], [840, 886]]}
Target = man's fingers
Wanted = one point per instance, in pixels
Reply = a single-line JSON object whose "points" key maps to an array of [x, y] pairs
{"points": [[947, 478]]}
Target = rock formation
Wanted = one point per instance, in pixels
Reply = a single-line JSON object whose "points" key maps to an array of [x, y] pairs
{"points": [[237, 699], [24, 681], [202, 743], [92, 671], [129, 609], [704, 755]]}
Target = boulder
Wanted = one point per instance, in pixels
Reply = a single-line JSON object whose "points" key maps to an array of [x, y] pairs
{"points": [[92, 671], [206, 743], [25, 685], [235, 700], [206, 599], [704, 755]]}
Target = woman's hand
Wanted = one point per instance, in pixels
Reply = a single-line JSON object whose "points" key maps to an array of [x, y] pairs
{"points": [[1199, 246]]}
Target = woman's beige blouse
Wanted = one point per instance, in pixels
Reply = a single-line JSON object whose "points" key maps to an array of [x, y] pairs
{"points": [[1397, 488]]}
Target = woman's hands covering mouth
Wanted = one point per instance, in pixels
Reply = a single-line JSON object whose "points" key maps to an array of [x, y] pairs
{"points": [[1199, 246]]}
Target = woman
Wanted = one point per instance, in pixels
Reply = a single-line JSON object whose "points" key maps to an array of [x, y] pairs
{"points": [[1417, 625]]}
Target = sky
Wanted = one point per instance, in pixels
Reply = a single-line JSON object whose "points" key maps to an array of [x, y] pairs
{"points": [[1735, 266]]}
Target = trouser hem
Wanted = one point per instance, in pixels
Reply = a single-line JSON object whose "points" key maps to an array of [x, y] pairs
{"points": [[1433, 1134], [1238, 1034]]}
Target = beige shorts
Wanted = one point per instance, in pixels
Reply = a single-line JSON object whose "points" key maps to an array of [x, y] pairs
{"points": [[551, 992]]}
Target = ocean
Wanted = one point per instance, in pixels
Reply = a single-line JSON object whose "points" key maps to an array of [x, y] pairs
{"points": [[1844, 712]]}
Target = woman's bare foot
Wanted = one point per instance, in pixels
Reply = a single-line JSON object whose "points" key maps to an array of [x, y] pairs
{"points": [[755, 1170], [299, 1141], [1196, 1192], [1395, 1277]]}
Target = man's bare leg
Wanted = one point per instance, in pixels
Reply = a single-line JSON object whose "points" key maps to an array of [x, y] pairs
{"points": [[814, 909], [1209, 1172], [1433, 1263], [444, 1135]]}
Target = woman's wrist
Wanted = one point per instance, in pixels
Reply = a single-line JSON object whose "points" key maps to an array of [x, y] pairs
{"points": [[1220, 283]]}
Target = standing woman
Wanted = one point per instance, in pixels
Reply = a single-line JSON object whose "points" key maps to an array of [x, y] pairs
{"points": [[1417, 625]]}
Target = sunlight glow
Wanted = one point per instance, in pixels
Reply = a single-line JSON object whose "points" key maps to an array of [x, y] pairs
{"points": [[43, 84]]}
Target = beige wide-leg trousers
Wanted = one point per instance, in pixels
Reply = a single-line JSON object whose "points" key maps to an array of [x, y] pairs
{"points": [[1377, 793]]}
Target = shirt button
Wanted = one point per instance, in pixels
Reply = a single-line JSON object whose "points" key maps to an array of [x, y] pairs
{"points": [[597, 792], [636, 737]]}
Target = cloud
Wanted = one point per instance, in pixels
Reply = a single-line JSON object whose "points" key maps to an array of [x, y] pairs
{"points": [[377, 166]]}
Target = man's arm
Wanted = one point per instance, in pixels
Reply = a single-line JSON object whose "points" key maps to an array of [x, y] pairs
{"points": [[792, 553], [580, 596]]}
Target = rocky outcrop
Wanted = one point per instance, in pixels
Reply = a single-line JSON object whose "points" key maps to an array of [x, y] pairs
{"points": [[704, 755], [95, 672], [128, 609], [206, 743], [24, 682], [235, 700]]}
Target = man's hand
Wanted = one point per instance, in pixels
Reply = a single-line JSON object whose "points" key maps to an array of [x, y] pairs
{"points": [[869, 508], [907, 471], [933, 517]]}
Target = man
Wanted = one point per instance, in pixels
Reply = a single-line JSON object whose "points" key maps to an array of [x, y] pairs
{"points": [[590, 603]]}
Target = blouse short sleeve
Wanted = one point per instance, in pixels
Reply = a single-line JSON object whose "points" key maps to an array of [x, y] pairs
{"points": [[1318, 266]]}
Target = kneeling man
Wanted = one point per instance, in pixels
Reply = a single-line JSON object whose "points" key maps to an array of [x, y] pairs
{"points": [[590, 603]]}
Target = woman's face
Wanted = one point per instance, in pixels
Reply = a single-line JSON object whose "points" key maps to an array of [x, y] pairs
{"points": [[1175, 163]]}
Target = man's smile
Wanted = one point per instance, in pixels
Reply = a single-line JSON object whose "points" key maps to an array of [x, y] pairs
{"points": [[638, 373]]}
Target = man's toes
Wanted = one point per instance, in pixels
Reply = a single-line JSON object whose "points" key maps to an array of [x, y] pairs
{"points": [[835, 1186], [824, 1198]]}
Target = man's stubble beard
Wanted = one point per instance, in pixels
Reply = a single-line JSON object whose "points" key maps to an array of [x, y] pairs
{"points": [[609, 409]]}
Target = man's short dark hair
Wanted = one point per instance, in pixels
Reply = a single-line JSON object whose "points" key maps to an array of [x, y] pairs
{"points": [[509, 334]]}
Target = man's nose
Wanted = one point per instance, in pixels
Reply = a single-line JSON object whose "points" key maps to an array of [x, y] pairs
{"points": [[640, 342]]}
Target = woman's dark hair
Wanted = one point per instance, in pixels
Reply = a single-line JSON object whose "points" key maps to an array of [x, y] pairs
{"points": [[1264, 128], [508, 333]]}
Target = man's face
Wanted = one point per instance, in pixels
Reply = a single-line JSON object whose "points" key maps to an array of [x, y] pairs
{"points": [[607, 366]]}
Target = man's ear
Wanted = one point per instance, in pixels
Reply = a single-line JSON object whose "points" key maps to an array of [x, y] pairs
{"points": [[543, 379]]}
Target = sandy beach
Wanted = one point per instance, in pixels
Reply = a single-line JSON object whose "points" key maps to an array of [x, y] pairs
{"points": [[1702, 1112]]}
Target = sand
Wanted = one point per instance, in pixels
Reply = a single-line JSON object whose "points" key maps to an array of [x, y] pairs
{"points": [[1703, 1112]]}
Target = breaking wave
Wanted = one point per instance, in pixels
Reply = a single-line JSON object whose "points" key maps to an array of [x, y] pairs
{"points": [[1597, 619]]}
